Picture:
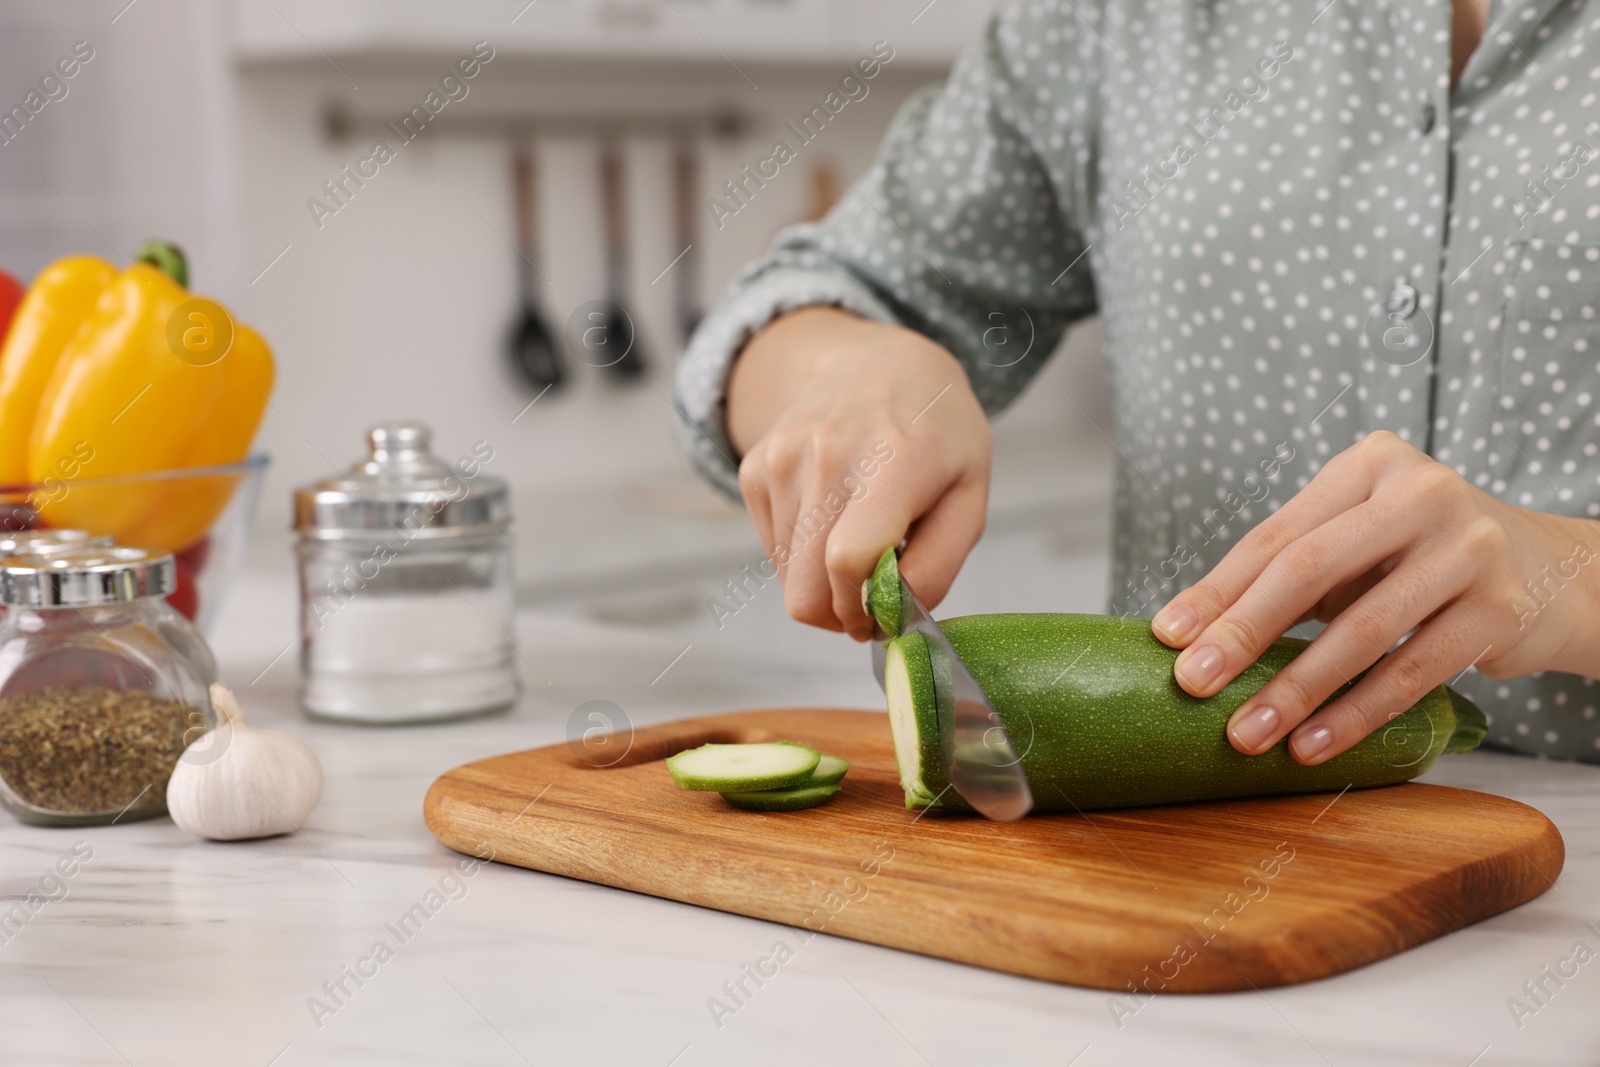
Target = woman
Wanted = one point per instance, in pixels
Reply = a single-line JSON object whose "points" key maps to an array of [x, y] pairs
{"points": [[1347, 263]]}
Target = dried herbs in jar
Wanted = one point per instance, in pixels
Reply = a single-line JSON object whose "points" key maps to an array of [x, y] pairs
{"points": [[86, 749], [100, 685]]}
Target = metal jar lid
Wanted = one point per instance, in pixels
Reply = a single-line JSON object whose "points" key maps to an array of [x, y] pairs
{"points": [[86, 576], [48, 541], [401, 489]]}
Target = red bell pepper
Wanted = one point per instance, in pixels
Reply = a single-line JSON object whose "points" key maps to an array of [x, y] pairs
{"points": [[11, 292]]}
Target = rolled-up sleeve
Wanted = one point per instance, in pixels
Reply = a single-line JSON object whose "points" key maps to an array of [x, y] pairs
{"points": [[960, 231]]}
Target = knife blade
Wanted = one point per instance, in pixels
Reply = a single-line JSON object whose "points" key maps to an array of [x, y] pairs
{"points": [[980, 762]]}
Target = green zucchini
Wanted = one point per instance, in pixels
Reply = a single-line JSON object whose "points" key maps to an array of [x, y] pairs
{"points": [[795, 799], [1099, 721]]}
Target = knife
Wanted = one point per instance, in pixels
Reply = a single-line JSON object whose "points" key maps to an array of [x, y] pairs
{"points": [[980, 761]]}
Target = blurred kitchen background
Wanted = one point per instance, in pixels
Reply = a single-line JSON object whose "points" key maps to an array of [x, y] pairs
{"points": [[216, 123]]}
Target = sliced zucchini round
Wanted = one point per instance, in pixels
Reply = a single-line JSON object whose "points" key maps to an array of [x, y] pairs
{"points": [[806, 796], [830, 771], [743, 768]]}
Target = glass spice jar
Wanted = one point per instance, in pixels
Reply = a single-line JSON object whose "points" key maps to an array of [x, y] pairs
{"points": [[98, 693], [406, 599], [46, 541], [178, 630]]}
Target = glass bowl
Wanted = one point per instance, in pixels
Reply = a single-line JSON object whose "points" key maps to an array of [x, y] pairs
{"points": [[202, 515]]}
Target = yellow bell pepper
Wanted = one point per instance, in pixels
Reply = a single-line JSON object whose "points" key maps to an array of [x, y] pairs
{"points": [[51, 312], [185, 511], [131, 394]]}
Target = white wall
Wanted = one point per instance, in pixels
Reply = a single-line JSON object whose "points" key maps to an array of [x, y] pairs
{"points": [[142, 144]]}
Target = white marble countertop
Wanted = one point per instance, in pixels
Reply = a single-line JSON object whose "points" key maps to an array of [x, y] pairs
{"points": [[169, 950]]}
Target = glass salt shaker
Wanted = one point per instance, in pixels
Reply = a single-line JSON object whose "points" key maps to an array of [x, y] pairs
{"points": [[97, 698], [406, 602]]}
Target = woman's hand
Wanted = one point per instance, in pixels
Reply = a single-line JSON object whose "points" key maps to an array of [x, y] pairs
{"points": [[1384, 541], [857, 435]]}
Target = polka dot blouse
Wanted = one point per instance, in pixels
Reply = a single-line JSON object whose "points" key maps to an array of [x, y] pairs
{"points": [[1295, 234]]}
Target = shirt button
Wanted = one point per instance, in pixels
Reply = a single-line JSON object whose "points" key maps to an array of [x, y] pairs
{"points": [[1403, 301], [1430, 114]]}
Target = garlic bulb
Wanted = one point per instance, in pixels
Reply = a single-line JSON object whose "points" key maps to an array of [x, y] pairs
{"points": [[238, 782]]}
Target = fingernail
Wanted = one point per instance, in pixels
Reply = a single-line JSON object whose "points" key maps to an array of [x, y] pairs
{"points": [[1313, 743], [1256, 727], [1176, 624], [1201, 668]]}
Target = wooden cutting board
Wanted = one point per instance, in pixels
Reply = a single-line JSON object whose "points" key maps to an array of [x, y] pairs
{"points": [[1186, 898]]}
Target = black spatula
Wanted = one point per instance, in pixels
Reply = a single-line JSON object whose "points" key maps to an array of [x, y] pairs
{"points": [[533, 352]]}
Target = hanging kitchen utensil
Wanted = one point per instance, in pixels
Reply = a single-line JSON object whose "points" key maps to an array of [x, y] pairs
{"points": [[533, 352], [624, 360], [686, 283]]}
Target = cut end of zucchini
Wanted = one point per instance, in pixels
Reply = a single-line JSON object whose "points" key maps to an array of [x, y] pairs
{"points": [[881, 594], [744, 768], [913, 716], [797, 799]]}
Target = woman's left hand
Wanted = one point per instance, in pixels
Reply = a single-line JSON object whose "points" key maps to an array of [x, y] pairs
{"points": [[1382, 542]]}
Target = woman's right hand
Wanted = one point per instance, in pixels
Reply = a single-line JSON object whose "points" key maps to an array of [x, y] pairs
{"points": [[857, 435]]}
